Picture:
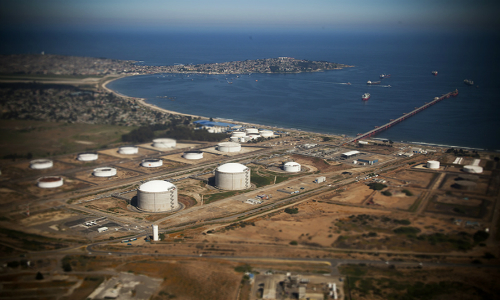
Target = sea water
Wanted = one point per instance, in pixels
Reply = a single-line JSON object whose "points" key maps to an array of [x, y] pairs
{"points": [[321, 101]]}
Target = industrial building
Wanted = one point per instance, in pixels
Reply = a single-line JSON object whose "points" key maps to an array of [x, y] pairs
{"points": [[50, 182], [87, 156], [369, 160], [164, 143], [193, 155], [349, 154], [152, 162], [232, 176], [229, 147], [291, 166], [128, 150], [157, 196], [40, 164], [104, 172]]}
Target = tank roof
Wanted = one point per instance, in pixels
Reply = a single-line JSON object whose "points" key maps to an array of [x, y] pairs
{"points": [[292, 163], [154, 186], [232, 168]]}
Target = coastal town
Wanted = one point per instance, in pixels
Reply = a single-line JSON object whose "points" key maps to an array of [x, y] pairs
{"points": [[85, 66]]}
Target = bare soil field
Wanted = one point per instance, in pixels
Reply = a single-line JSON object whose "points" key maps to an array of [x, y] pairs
{"points": [[451, 181], [31, 187], [320, 164], [398, 200], [354, 193], [22, 170], [461, 205], [415, 178], [207, 156]]}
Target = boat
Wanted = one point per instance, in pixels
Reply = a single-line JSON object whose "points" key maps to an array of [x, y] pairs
{"points": [[373, 82], [382, 76], [365, 96], [434, 73], [468, 82]]}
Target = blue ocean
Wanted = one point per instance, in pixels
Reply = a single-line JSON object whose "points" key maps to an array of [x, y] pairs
{"points": [[319, 102]]}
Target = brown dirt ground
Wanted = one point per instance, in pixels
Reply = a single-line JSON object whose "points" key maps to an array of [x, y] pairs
{"points": [[320, 164], [120, 174]]}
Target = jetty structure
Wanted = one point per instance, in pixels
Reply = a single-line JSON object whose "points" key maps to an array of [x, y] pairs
{"points": [[402, 118]]}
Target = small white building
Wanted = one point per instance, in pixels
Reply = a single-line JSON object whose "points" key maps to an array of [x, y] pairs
{"points": [[320, 179], [102, 229]]}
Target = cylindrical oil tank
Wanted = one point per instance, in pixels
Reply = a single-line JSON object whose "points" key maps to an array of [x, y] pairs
{"points": [[232, 176], [164, 143], [238, 134], [266, 133], [251, 130], [39, 164], [87, 156], [229, 147], [156, 196], [50, 182], [234, 139], [291, 166], [128, 150], [433, 164], [152, 162], [104, 172], [193, 155], [473, 169], [254, 136]]}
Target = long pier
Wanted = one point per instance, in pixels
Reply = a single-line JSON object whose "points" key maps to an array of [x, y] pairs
{"points": [[402, 118]]}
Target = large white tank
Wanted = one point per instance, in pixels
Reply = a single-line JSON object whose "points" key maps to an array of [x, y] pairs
{"points": [[164, 143], [193, 155], [251, 130], [50, 182], [104, 172], [229, 147], [152, 162], [254, 136], [433, 164], [238, 134], [266, 133], [39, 164], [232, 176], [155, 233], [291, 166], [473, 169], [156, 196], [128, 150], [87, 156]]}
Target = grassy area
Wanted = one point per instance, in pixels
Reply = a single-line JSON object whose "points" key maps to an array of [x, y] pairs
{"points": [[219, 196], [30, 241], [51, 138]]}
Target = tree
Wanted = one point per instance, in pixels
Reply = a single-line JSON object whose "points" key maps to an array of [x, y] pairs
{"points": [[39, 276]]}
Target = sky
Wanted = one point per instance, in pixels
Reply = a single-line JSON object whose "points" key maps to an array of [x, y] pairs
{"points": [[235, 14]]}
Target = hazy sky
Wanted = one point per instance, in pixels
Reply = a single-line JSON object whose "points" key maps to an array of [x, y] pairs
{"points": [[266, 14]]}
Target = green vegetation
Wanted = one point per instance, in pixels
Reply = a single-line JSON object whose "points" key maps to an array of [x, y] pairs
{"points": [[377, 186], [386, 193], [407, 192], [406, 230], [243, 268], [480, 236], [294, 243], [292, 210], [219, 196]]}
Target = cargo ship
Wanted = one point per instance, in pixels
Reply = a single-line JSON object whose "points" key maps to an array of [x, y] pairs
{"points": [[373, 82], [468, 82], [365, 96], [382, 76]]}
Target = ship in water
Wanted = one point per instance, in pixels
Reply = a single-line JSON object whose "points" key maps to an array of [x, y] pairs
{"points": [[365, 96], [382, 76], [468, 82], [434, 73], [373, 82]]}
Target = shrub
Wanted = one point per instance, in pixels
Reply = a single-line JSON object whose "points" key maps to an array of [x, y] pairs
{"points": [[386, 193], [294, 243], [407, 192], [480, 236], [39, 276], [292, 210], [377, 186], [243, 268], [406, 230]]}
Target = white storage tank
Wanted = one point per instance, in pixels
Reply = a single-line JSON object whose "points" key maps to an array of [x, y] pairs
{"points": [[232, 176], [40, 164], [266, 133], [253, 136], [238, 134], [193, 155], [291, 166], [229, 147], [164, 143], [155, 233], [104, 172], [251, 130], [152, 162], [87, 156], [128, 150], [433, 164], [234, 139], [473, 169], [50, 182], [157, 196]]}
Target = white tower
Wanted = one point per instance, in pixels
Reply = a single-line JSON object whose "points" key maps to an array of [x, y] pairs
{"points": [[155, 233]]}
